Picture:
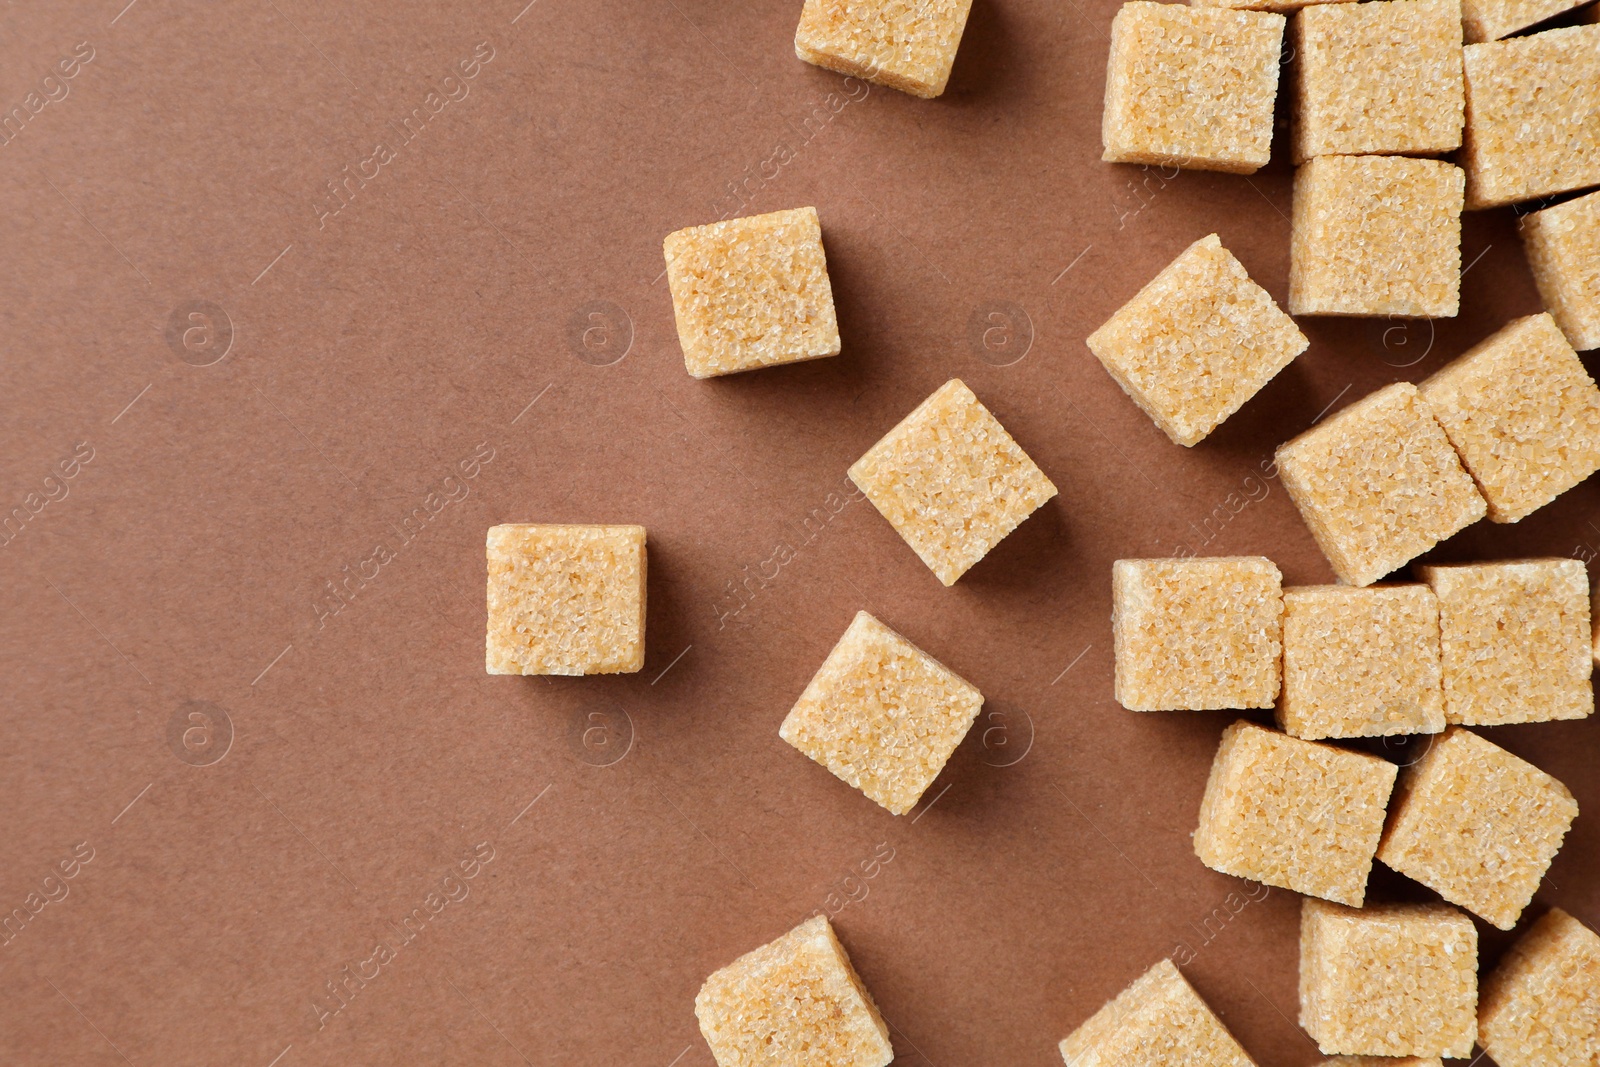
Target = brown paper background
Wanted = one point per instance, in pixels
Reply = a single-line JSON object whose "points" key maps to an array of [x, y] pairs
{"points": [[370, 354]]}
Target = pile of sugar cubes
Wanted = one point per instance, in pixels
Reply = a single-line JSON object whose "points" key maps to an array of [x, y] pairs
{"points": [[1498, 433]]}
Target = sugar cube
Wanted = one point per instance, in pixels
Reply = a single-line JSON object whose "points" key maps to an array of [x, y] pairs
{"points": [[1197, 634], [1376, 235], [796, 1000], [565, 599], [908, 45], [1360, 662], [1488, 20], [1191, 86], [951, 481], [1515, 640], [882, 715], [1282, 6], [1382, 1061], [1378, 484], [1197, 342], [1158, 1021], [1541, 1005], [751, 292], [1563, 245], [1388, 980]]}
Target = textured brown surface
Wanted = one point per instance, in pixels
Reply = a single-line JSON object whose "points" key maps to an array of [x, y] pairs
{"points": [[1563, 245], [904, 44], [1541, 1006], [1158, 1021]]}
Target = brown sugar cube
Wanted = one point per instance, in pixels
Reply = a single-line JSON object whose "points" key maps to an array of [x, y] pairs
{"points": [[794, 1001], [1197, 342], [1378, 484], [951, 481], [1489, 20], [1383, 76], [1197, 634], [882, 714], [1191, 87], [1360, 662], [1293, 814], [1376, 235], [1541, 1006], [1382, 1061], [1563, 245], [1281, 6], [1158, 1021], [1533, 116], [566, 599], [751, 292], [1523, 415], [908, 45], [1477, 825], [1388, 980], [1515, 640]]}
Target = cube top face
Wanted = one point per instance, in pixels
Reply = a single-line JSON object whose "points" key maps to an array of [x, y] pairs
{"points": [[1515, 640], [1531, 116], [1489, 20], [1378, 484], [1197, 342], [882, 715], [951, 481], [1379, 77], [795, 1002], [1541, 1006], [751, 292], [907, 45], [1523, 415], [1382, 1061], [1191, 87], [565, 599], [1197, 634], [1376, 235], [1361, 662], [1477, 825], [1563, 245], [1388, 980], [1158, 1021], [1293, 814]]}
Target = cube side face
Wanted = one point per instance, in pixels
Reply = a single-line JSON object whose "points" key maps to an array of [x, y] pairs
{"points": [[1376, 235], [1378, 484], [1543, 674], [1361, 662], [1477, 825], [1531, 106], [1293, 814], [796, 1000], [1197, 342], [1191, 87], [1522, 413], [1198, 634], [1489, 20], [1541, 1006], [882, 715], [1379, 77], [1563, 245], [951, 481], [1158, 1021], [751, 292], [566, 600], [901, 44]]}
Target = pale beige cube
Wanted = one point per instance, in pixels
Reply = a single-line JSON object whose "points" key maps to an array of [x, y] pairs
{"points": [[951, 481], [907, 45], [1376, 236], [1533, 116], [1191, 86], [1522, 413], [1360, 662], [882, 715], [1476, 825], [751, 292], [1197, 342], [1541, 1006], [1563, 246], [1158, 1021], [1293, 814], [1378, 484], [794, 1002], [565, 599], [1515, 640], [1383, 76], [1388, 980], [1488, 20], [1197, 634], [1382, 1061]]}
